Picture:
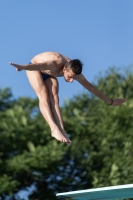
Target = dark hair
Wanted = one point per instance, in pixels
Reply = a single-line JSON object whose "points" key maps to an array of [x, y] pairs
{"points": [[76, 65]]}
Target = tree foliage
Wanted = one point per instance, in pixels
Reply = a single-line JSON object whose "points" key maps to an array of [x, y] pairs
{"points": [[101, 153]]}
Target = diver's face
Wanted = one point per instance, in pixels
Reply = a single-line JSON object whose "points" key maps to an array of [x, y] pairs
{"points": [[69, 75]]}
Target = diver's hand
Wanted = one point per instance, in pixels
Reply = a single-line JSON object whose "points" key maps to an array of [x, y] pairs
{"points": [[117, 102], [18, 67]]}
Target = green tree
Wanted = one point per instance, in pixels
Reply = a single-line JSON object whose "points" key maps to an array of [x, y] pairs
{"points": [[101, 153], [102, 135], [28, 154]]}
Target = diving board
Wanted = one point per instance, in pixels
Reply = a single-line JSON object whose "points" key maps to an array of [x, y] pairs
{"points": [[112, 192]]}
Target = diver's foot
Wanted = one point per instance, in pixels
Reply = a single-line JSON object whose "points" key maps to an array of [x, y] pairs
{"points": [[56, 133], [65, 134]]}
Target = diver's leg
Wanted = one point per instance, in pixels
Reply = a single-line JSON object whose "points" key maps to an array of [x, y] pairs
{"points": [[40, 88], [53, 87]]}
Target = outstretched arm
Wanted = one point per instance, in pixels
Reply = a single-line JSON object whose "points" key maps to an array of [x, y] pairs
{"points": [[82, 80], [49, 65]]}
